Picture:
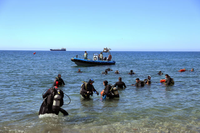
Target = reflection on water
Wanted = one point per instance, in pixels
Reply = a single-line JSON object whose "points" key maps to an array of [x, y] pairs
{"points": [[86, 102]]}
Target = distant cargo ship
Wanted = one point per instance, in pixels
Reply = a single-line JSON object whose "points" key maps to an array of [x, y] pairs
{"points": [[62, 49]]}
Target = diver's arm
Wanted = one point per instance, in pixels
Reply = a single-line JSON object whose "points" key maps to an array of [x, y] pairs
{"points": [[124, 85], [47, 93], [115, 84], [93, 89], [62, 93], [63, 82]]}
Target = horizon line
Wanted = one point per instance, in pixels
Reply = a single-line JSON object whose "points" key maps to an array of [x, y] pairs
{"points": [[113, 50]]}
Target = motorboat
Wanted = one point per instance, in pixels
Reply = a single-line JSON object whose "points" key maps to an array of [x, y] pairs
{"points": [[88, 62], [94, 61]]}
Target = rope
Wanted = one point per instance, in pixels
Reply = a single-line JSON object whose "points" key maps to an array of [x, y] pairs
{"points": [[69, 99]]}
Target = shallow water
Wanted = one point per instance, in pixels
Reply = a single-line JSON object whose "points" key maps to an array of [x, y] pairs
{"points": [[154, 108]]}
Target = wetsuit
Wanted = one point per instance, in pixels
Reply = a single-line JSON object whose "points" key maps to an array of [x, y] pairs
{"points": [[169, 81], [84, 90], [60, 81], [108, 92], [131, 73], [44, 108], [160, 73], [139, 84], [120, 85], [147, 80], [105, 72], [108, 69], [49, 97]]}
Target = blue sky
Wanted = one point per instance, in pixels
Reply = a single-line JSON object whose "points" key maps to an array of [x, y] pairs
{"points": [[79, 25]]}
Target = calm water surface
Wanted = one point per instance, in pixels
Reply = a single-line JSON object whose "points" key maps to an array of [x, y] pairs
{"points": [[155, 108]]}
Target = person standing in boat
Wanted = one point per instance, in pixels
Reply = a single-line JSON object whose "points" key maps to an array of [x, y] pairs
{"points": [[109, 57], [101, 56], [85, 55]]}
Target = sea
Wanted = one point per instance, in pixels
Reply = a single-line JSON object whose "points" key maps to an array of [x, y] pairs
{"points": [[154, 108]]}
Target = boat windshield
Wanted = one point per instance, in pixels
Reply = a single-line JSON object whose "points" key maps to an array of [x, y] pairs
{"points": [[95, 56]]}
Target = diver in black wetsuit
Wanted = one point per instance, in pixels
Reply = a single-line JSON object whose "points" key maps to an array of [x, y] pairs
{"points": [[60, 80], [116, 72], [108, 69], [106, 72], [87, 89], [169, 81], [138, 83], [120, 84], [131, 72], [53, 100], [79, 71], [45, 108], [160, 73], [107, 90], [148, 80]]}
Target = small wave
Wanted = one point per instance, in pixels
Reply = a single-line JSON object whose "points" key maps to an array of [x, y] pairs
{"points": [[48, 115]]}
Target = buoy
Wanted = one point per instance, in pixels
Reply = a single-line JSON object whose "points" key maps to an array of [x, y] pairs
{"points": [[34, 53], [162, 80], [182, 70]]}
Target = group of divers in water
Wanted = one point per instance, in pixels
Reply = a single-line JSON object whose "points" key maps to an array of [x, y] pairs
{"points": [[53, 97]]}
